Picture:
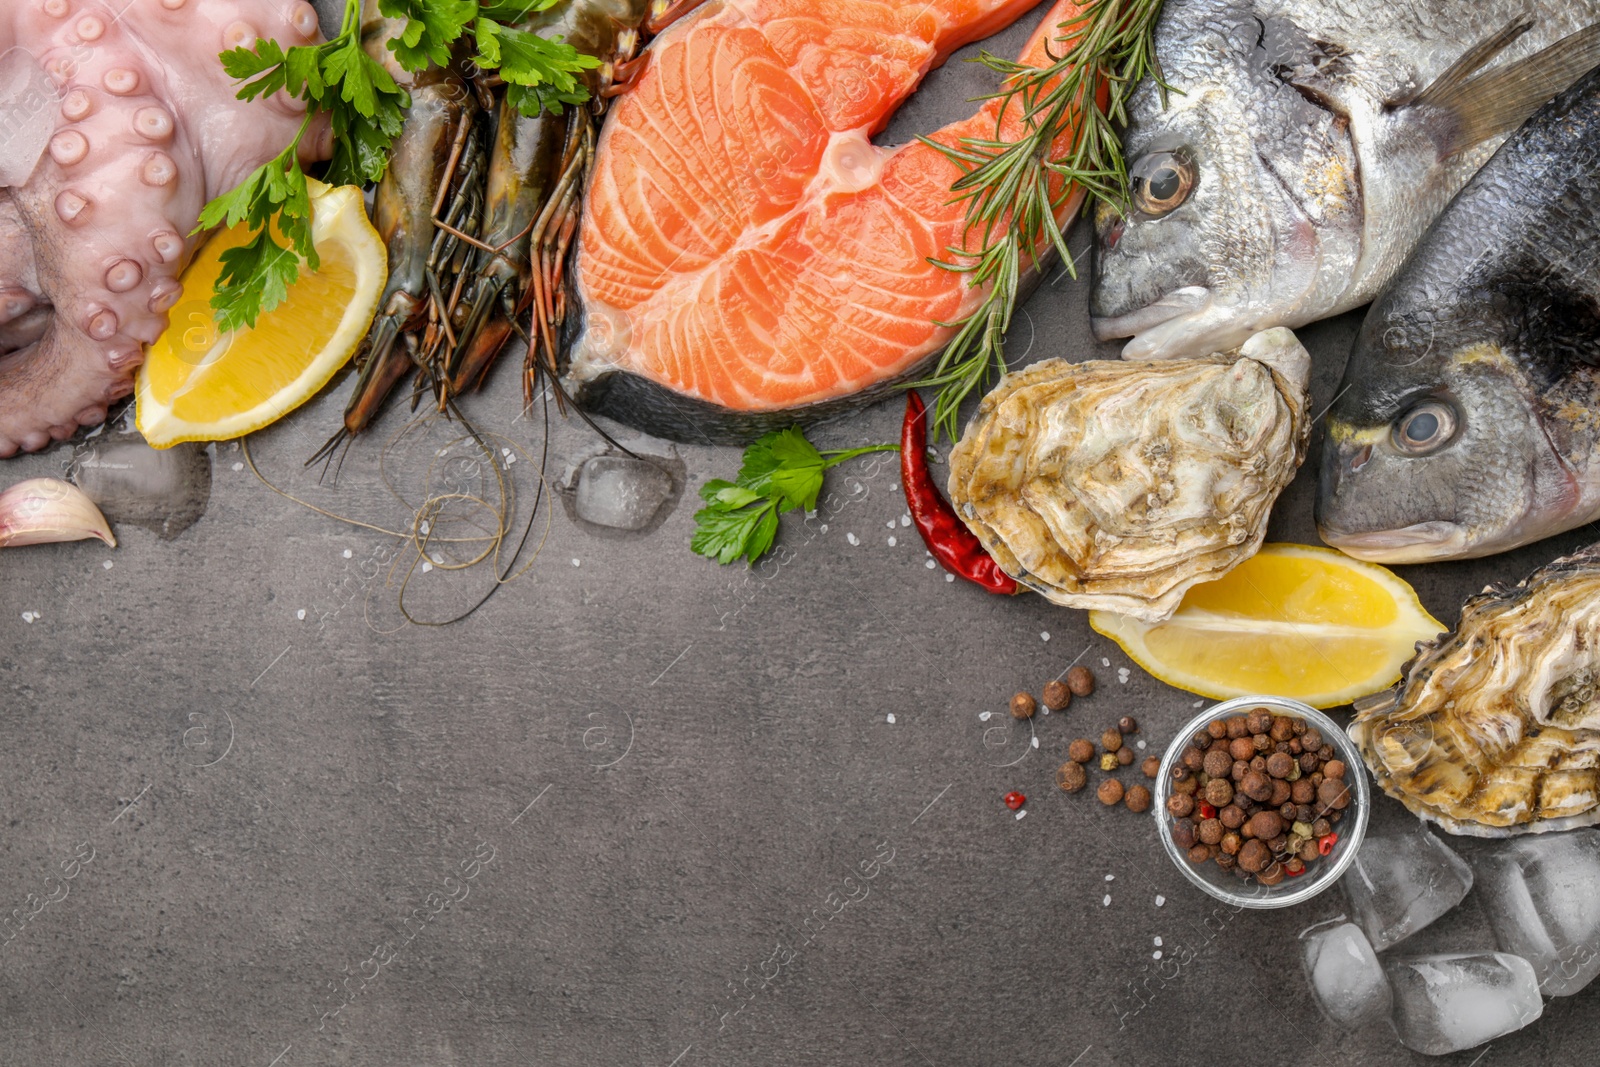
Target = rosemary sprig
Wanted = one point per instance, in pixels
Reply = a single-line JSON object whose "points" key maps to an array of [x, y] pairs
{"points": [[1013, 189]]}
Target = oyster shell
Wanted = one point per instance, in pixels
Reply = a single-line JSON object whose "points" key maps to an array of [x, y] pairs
{"points": [[1118, 485], [1494, 729]]}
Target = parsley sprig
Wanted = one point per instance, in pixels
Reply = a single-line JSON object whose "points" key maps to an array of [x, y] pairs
{"points": [[1013, 189], [782, 472], [367, 111]]}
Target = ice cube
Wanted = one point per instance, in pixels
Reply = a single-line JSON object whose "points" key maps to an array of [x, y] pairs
{"points": [[1542, 896], [621, 492], [1401, 881], [1346, 978], [166, 491], [1459, 1000]]}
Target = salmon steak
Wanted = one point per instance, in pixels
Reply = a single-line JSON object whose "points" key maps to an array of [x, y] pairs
{"points": [[747, 257]]}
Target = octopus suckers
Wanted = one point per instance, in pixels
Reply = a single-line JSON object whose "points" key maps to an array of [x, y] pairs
{"points": [[123, 357], [102, 324], [168, 245], [121, 80], [77, 105], [90, 28], [68, 147], [57, 8], [159, 169], [70, 205], [304, 20], [153, 123], [165, 295], [123, 275], [172, 5], [239, 35], [14, 302]]}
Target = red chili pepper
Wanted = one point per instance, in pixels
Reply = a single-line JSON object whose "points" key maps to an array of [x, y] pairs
{"points": [[957, 548], [1015, 800], [1293, 873], [1326, 842], [1207, 811]]}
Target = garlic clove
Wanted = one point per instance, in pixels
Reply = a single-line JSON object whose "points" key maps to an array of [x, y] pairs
{"points": [[46, 510]]}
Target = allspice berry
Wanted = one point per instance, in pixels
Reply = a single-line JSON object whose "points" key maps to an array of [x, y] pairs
{"points": [[1256, 786], [1266, 825], [1232, 816], [1280, 764], [1302, 792], [1333, 794], [1199, 854], [1081, 681], [1210, 831], [1334, 768], [1081, 750], [1218, 792], [1254, 856], [1111, 740], [1137, 799], [1056, 695], [1128, 724], [1151, 766], [1180, 805], [1242, 748], [1110, 792], [1071, 777], [1023, 706], [1124, 756], [1218, 763]]}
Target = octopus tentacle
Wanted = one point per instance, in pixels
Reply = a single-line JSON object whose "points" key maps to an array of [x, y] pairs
{"points": [[146, 129]]}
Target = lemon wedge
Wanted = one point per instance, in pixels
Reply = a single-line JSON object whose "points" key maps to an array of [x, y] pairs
{"points": [[1293, 621], [199, 384]]}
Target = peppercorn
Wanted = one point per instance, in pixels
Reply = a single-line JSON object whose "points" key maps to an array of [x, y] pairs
{"points": [[1334, 768], [1124, 756], [1081, 750], [1299, 727], [1128, 724], [1305, 813], [1272, 875], [1281, 746], [1262, 744], [1282, 728], [1279, 764], [1333, 794], [1217, 764], [1111, 740], [1326, 753], [1110, 792], [1321, 828], [1225, 861], [1056, 695], [1192, 758], [1240, 769], [1080, 680], [1023, 706], [1183, 834], [1151, 766], [1237, 728], [1280, 793], [1294, 746], [1218, 792], [1137, 798], [1242, 748], [1217, 729], [1108, 761], [1256, 786], [1254, 856], [1308, 851], [1232, 816], [1199, 854], [1071, 777], [1311, 739], [1189, 785], [1302, 792], [1266, 825], [1210, 831]]}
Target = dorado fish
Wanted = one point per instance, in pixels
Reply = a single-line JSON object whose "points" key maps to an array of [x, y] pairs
{"points": [[1469, 418], [1302, 150]]}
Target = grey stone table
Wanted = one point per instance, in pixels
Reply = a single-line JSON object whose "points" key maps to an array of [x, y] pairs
{"points": [[638, 809]]}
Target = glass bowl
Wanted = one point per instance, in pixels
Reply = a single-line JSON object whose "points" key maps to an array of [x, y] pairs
{"points": [[1248, 893]]}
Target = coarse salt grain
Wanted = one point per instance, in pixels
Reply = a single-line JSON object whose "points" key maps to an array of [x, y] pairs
{"points": [[301, 614], [983, 716], [891, 542], [852, 538], [1035, 742], [1156, 955], [931, 565], [891, 524], [27, 617], [238, 466], [890, 718], [1161, 901], [905, 520], [1111, 878], [824, 527], [1021, 813], [107, 564], [1044, 635], [576, 563], [426, 567], [1140, 744], [1104, 662], [1106, 902], [949, 577], [348, 553]]}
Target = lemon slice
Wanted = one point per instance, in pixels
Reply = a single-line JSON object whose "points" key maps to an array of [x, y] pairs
{"points": [[198, 384], [1293, 621]]}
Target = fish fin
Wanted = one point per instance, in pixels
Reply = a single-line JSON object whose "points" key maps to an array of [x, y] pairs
{"points": [[1500, 100]]}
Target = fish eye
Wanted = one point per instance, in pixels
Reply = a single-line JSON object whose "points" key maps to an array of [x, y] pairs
{"points": [[1424, 428], [1160, 181]]}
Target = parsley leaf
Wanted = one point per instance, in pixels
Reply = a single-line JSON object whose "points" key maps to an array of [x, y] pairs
{"points": [[781, 472], [434, 27], [539, 73]]}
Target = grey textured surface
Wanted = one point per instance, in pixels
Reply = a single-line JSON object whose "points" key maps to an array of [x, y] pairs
{"points": [[681, 771]]}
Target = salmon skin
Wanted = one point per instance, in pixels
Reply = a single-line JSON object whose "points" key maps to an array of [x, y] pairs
{"points": [[748, 258]]}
